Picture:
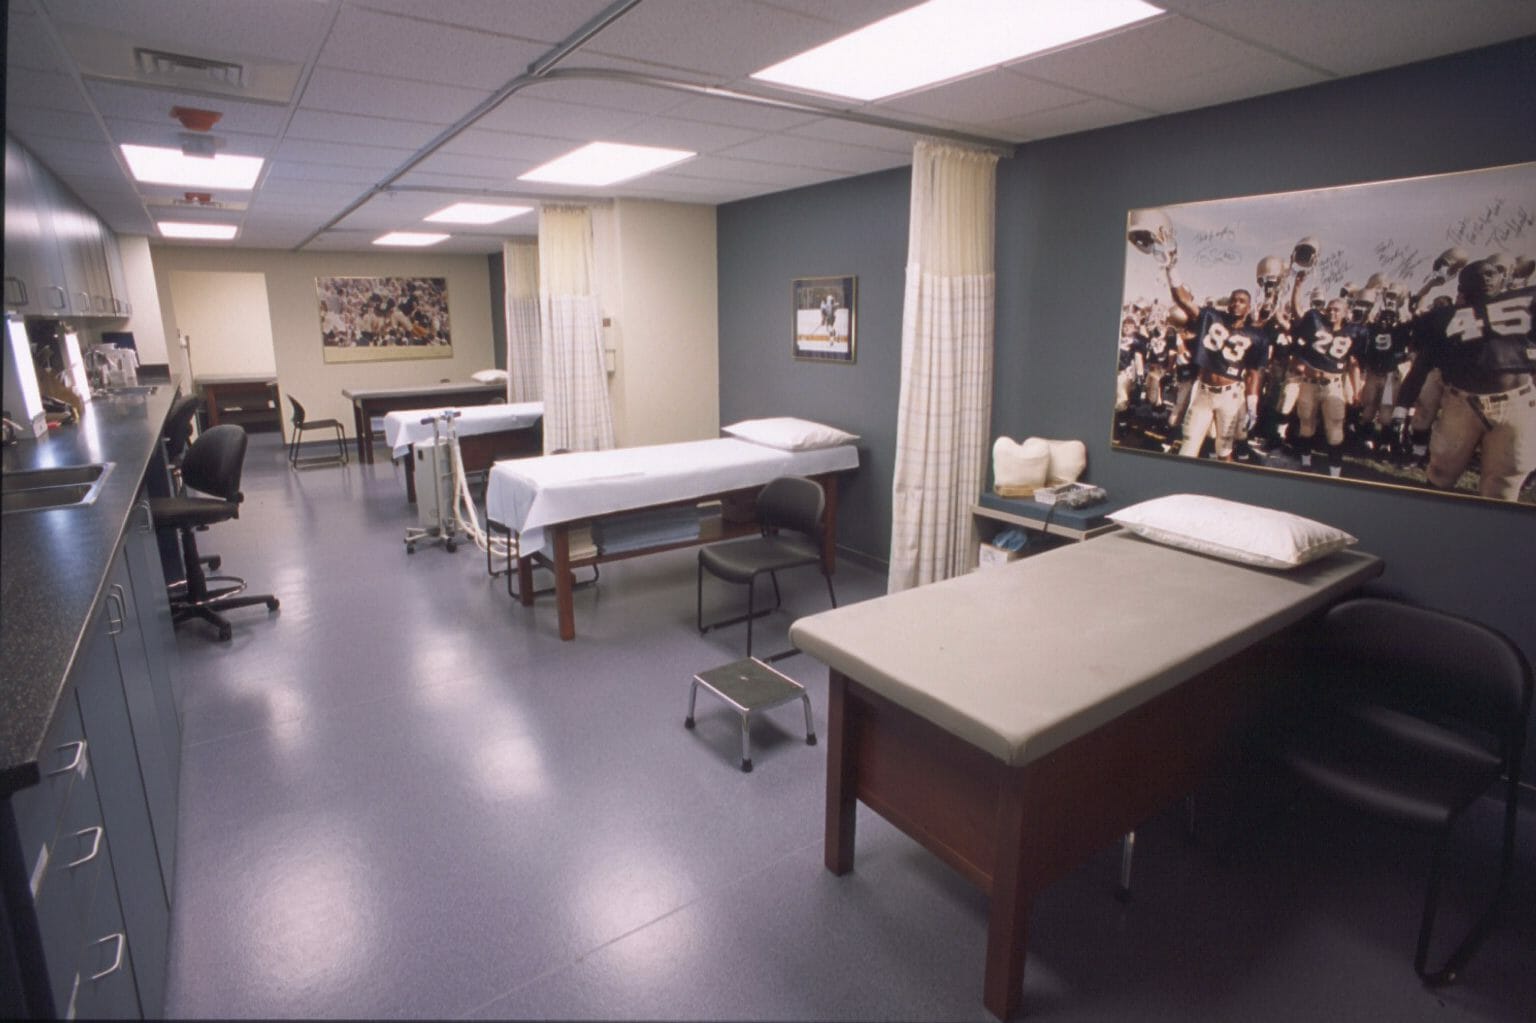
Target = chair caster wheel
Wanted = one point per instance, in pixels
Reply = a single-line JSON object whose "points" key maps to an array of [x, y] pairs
{"points": [[225, 634], [451, 546], [746, 766], [810, 740], [272, 604], [410, 548], [687, 722]]}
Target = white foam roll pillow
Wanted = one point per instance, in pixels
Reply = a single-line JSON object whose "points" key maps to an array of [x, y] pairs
{"points": [[1068, 460], [1020, 465]]}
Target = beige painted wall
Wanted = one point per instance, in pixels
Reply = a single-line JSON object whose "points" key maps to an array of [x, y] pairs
{"points": [[294, 310], [224, 323], [662, 296]]}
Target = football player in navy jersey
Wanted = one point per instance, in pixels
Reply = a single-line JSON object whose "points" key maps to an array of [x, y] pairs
{"points": [[1229, 357], [1385, 349], [1485, 350], [1326, 348], [1131, 363]]}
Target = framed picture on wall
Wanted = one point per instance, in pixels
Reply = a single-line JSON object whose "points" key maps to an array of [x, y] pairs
{"points": [[826, 321], [1375, 334], [368, 319]]}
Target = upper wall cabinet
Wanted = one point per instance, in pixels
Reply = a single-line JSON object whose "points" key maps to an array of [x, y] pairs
{"points": [[60, 259]]}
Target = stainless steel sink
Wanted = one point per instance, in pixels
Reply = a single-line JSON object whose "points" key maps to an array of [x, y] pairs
{"points": [[64, 486]]}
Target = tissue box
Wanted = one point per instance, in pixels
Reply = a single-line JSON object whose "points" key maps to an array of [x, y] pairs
{"points": [[992, 557]]}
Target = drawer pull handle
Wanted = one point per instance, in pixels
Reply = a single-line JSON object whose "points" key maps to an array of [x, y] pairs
{"points": [[95, 834], [79, 745], [115, 625], [117, 960]]}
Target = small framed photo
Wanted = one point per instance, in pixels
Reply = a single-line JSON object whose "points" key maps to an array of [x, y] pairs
{"points": [[826, 318]]}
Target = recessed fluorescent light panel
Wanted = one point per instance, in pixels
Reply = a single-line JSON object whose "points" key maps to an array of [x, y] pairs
{"points": [[157, 165], [477, 213], [183, 229], [946, 39], [414, 239], [605, 163]]}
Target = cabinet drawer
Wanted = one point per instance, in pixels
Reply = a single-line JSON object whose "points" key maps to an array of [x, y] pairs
{"points": [[104, 987], [63, 758]]}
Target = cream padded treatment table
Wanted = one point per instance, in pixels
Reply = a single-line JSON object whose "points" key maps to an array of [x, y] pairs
{"points": [[487, 433], [1016, 720]]}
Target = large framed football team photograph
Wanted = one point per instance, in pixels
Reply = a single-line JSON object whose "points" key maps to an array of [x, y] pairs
{"points": [[1377, 333], [373, 319], [825, 318]]}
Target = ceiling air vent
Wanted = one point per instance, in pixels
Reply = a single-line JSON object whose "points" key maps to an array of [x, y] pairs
{"points": [[180, 67]]}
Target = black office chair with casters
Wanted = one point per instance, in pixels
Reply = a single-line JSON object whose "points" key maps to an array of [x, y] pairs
{"points": [[1418, 714], [789, 513], [212, 466], [178, 433], [301, 422]]}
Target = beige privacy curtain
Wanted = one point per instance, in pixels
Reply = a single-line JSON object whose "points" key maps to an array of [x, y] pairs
{"points": [[946, 364], [577, 413], [520, 274]]}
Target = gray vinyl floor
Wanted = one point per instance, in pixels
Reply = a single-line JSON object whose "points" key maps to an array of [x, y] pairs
{"points": [[403, 796]]}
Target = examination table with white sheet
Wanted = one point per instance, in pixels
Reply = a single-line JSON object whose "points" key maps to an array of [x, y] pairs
{"points": [[1017, 720], [486, 434], [541, 499]]}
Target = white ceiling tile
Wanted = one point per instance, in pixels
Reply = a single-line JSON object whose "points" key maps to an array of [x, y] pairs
{"points": [[500, 145], [981, 98], [1083, 116], [741, 114], [502, 170], [153, 106], [289, 171], [44, 90], [25, 119], [526, 113], [853, 133], [1354, 36], [352, 92], [1166, 65], [369, 41], [847, 14], [679, 134], [726, 40], [334, 154], [274, 29], [353, 129], [27, 43], [529, 19], [802, 152], [587, 80]]}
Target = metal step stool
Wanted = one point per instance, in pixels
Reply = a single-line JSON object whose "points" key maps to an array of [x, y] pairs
{"points": [[749, 686]]}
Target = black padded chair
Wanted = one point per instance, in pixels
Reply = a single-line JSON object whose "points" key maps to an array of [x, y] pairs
{"points": [[1417, 714], [212, 466], [301, 422], [789, 514], [178, 433]]}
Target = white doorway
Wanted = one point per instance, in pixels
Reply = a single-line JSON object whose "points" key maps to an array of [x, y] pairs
{"points": [[224, 327]]}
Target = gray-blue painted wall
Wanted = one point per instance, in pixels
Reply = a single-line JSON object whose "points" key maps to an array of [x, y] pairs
{"points": [[1060, 259]]}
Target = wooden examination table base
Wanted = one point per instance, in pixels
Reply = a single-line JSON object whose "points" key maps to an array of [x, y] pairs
{"points": [[1014, 830], [562, 563]]}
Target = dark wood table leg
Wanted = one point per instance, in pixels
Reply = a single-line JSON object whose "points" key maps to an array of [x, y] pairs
{"points": [[1008, 907], [829, 532], [359, 427], [842, 777], [525, 579], [563, 582]]}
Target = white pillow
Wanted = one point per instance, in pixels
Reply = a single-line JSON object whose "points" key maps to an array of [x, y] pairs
{"points": [[1068, 460], [489, 376], [1237, 532], [1019, 468], [789, 434]]}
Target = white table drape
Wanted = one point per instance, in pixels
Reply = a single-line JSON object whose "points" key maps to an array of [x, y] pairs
{"points": [[945, 406], [577, 413]]}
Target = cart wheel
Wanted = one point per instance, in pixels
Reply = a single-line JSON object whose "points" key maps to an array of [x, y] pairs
{"points": [[271, 603], [688, 722], [452, 546], [410, 548]]}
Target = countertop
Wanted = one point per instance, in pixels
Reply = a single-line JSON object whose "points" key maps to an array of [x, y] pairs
{"points": [[54, 565]]}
